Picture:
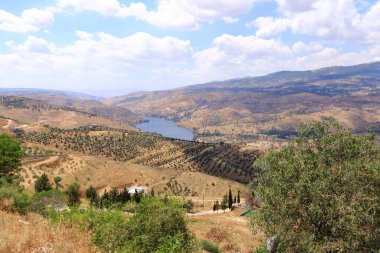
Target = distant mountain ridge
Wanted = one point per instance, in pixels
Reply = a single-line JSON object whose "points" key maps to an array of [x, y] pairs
{"points": [[74, 101], [33, 114], [26, 92], [368, 69], [273, 104]]}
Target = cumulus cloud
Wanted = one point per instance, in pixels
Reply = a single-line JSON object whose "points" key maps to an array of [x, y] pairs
{"points": [[232, 56], [100, 58], [337, 20], [31, 20], [301, 47], [169, 14]]}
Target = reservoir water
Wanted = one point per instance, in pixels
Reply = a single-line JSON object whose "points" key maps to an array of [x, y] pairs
{"points": [[166, 128]]}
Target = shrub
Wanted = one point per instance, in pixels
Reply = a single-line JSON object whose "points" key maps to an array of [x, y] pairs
{"points": [[155, 227], [210, 247], [57, 180], [321, 193], [43, 201], [12, 197], [157, 223], [42, 184], [21, 203]]}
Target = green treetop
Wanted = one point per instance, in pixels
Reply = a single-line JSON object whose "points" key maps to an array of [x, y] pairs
{"points": [[321, 193]]}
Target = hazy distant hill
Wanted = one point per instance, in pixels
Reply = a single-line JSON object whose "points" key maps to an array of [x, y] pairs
{"points": [[26, 92], [272, 104], [78, 101], [36, 113]]}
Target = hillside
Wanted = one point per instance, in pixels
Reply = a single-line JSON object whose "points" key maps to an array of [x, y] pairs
{"points": [[76, 101], [222, 160], [243, 109], [33, 114]]}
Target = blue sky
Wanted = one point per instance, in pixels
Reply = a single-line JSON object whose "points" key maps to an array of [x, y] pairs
{"points": [[120, 45]]}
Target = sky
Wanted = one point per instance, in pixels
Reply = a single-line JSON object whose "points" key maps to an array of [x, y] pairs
{"points": [[105, 46]]}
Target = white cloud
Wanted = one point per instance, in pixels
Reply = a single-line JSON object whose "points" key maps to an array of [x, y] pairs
{"points": [[36, 45], [95, 59], [337, 20], [230, 20], [301, 47], [232, 56], [294, 6], [31, 20], [269, 26], [106, 8], [169, 14], [84, 35]]}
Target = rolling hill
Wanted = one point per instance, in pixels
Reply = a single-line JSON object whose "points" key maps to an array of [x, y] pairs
{"points": [[222, 160], [243, 109], [75, 101], [32, 114]]}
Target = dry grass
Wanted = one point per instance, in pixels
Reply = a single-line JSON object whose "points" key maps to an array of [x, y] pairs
{"points": [[32, 233], [227, 230]]}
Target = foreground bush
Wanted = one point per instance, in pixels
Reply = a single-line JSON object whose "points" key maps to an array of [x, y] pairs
{"points": [[322, 192], [12, 197], [156, 226], [45, 200]]}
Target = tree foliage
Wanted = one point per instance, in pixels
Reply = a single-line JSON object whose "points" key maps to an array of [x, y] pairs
{"points": [[73, 194], [92, 195], [230, 200], [10, 155], [42, 183], [321, 193]]}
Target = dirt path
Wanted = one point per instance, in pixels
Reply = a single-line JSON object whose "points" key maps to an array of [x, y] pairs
{"points": [[208, 212], [8, 124]]}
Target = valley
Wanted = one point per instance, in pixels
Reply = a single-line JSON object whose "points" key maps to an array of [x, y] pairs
{"points": [[109, 144], [247, 109]]}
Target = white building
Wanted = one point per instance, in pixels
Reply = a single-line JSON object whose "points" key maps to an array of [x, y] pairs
{"points": [[139, 189]]}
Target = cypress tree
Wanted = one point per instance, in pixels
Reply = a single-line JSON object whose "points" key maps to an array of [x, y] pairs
{"points": [[114, 195], [137, 197], [73, 194], [224, 203], [92, 195], [230, 199], [238, 197]]}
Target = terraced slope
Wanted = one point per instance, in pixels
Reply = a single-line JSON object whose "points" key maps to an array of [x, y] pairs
{"points": [[218, 159]]}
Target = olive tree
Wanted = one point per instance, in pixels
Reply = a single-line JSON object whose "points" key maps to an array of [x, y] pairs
{"points": [[321, 193]]}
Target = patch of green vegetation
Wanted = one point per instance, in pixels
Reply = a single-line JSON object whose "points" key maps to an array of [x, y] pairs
{"points": [[210, 247], [321, 193], [157, 226]]}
